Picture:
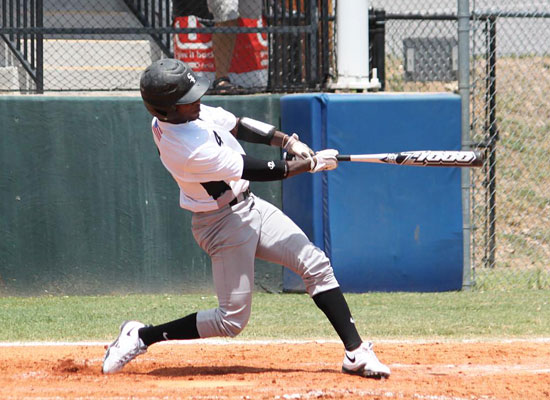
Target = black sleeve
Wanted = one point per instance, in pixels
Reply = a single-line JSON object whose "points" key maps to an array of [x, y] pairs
{"points": [[264, 170]]}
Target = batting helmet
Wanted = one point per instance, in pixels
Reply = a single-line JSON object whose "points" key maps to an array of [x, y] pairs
{"points": [[168, 82]]}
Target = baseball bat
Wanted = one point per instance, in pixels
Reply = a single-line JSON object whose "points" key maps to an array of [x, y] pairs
{"points": [[421, 158]]}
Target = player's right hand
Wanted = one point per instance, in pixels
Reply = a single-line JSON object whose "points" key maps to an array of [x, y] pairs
{"points": [[324, 160]]}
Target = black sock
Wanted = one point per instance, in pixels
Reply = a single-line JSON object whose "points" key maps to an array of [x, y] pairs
{"points": [[183, 328], [334, 305]]}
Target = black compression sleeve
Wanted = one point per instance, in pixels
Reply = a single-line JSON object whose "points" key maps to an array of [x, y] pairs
{"points": [[264, 170], [183, 328], [334, 305]]}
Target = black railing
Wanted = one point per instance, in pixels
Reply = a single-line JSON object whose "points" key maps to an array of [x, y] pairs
{"points": [[154, 14], [300, 36], [297, 30], [293, 58], [22, 21]]}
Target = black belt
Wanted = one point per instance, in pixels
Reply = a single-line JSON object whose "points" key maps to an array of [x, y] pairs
{"points": [[240, 197]]}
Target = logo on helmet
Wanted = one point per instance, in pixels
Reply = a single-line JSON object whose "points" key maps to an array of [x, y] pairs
{"points": [[191, 77]]}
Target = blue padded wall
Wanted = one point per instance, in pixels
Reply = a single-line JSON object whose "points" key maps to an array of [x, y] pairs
{"points": [[302, 199], [385, 227]]}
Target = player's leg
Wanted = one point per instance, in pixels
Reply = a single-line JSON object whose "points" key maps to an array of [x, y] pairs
{"points": [[283, 242], [135, 337], [233, 277], [230, 238]]}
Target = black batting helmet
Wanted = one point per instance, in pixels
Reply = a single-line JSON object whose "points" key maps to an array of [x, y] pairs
{"points": [[168, 82]]}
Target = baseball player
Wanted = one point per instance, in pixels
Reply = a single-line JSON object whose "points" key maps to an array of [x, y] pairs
{"points": [[198, 145]]}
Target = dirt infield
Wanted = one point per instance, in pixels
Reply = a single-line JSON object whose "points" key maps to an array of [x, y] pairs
{"points": [[310, 370]]}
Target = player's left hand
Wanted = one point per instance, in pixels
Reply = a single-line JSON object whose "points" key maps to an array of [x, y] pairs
{"points": [[299, 149], [324, 160]]}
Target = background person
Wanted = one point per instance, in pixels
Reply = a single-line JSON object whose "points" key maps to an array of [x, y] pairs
{"points": [[226, 13]]}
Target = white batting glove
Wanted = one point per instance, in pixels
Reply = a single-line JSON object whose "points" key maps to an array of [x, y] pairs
{"points": [[324, 160], [299, 149]]}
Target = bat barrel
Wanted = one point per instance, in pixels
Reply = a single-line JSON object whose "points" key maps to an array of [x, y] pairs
{"points": [[421, 158]]}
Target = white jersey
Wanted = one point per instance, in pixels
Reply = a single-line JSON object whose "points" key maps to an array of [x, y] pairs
{"points": [[204, 158]]}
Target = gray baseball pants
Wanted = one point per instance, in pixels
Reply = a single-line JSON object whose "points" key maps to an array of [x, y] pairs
{"points": [[233, 237]]}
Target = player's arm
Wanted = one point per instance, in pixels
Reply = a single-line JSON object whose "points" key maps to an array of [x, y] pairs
{"points": [[253, 131], [255, 169]]}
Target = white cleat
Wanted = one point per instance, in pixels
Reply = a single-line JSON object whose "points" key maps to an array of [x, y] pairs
{"points": [[362, 361], [125, 348]]}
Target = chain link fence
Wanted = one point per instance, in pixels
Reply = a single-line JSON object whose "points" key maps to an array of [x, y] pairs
{"points": [[510, 115], [75, 45], [509, 80], [104, 45]]}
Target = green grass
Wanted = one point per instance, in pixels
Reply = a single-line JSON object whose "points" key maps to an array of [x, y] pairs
{"points": [[508, 278], [450, 315]]}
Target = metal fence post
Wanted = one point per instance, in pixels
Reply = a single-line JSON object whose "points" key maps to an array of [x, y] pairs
{"points": [[463, 14], [377, 45], [493, 137], [314, 21], [39, 47]]}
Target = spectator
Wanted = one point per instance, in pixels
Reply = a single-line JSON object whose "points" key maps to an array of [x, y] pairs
{"points": [[226, 13]]}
